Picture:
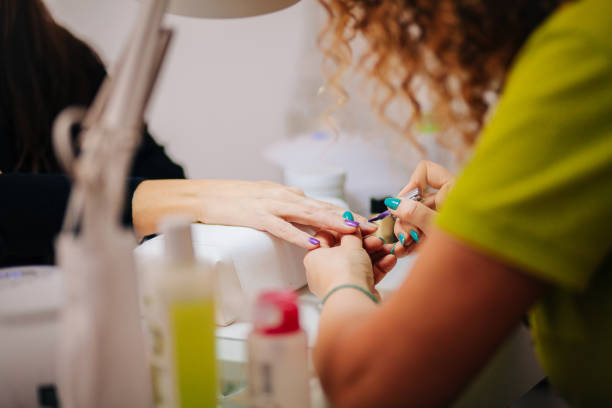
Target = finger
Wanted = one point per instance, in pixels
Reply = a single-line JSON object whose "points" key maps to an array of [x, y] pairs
{"points": [[386, 263], [373, 243], [352, 240], [377, 255], [382, 267], [326, 238], [406, 232], [284, 230], [366, 226], [298, 191], [430, 201], [427, 174], [413, 212], [401, 251], [320, 218]]}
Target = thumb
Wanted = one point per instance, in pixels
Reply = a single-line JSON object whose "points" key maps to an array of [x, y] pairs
{"points": [[352, 240], [415, 213]]}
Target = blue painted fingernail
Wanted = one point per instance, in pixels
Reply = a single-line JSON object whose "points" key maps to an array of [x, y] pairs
{"points": [[393, 250], [402, 238], [414, 235], [348, 216], [382, 239], [351, 223], [392, 203], [314, 241]]}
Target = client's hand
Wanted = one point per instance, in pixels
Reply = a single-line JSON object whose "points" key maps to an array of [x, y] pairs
{"points": [[265, 206], [413, 219], [347, 259]]}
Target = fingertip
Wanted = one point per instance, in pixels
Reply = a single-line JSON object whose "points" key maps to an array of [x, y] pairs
{"points": [[388, 262], [315, 243], [351, 223], [372, 243], [326, 238], [369, 227]]}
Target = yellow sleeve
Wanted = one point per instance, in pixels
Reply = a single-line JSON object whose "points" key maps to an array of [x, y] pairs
{"points": [[538, 190]]}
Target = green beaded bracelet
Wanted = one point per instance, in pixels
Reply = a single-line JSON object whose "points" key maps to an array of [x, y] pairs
{"points": [[349, 285]]}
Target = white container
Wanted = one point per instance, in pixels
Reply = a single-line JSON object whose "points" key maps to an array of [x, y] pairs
{"points": [[278, 354], [244, 261], [322, 182]]}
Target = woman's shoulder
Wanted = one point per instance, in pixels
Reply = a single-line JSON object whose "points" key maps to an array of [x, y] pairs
{"points": [[590, 20]]}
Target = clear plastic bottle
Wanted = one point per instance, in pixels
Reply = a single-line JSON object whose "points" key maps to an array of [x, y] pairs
{"points": [[278, 354], [183, 361]]}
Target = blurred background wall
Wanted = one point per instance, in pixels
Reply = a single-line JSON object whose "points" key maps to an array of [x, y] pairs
{"points": [[225, 87], [231, 88]]}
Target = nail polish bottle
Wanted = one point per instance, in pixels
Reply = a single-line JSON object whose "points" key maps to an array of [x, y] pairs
{"points": [[386, 225]]}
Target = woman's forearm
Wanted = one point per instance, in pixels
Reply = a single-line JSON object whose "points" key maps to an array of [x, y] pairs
{"points": [[262, 205], [430, 337], [341, 314], [341, 317]]}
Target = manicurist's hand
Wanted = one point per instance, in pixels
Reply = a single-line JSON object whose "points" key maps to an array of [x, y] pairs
{"points": [[414, 219], [347, 259], [265, 206]]}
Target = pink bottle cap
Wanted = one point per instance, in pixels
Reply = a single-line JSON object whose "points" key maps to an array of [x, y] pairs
{"points": [[276, 312]]}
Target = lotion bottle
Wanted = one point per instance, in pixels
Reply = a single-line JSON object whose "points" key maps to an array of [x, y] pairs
{"points": [[278, 354]]}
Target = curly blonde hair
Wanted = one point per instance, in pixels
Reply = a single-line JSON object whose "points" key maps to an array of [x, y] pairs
{"points": [[459, 51]]}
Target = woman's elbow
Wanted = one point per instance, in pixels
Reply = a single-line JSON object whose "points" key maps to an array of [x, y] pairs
{"points": [[349, 383]]}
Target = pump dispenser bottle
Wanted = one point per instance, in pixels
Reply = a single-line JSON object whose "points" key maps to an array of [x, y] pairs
{"points": [[183, 329], [278, 354]]}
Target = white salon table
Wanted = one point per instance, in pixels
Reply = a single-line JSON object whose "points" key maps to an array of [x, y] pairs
{"points": [[511, 373]]}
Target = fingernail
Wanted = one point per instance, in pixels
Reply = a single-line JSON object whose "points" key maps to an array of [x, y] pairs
{"points": [[382, 239], [414, 235], [351, 223], [402, 238], [393, 250], [348, 216], [314, 241], [392, 203]]}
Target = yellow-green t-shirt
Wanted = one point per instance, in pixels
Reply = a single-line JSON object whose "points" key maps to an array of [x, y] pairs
{"points": [[537, 193]]}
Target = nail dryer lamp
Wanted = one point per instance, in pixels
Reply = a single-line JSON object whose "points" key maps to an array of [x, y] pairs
{"points": [[101, 360]]}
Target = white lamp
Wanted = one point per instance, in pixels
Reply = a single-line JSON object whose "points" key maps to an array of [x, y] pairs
{"points": [[101, 359], [227, 8]]}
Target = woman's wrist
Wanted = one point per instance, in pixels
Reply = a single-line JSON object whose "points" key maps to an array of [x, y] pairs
{"points": [[363, 289], [154, 199]]}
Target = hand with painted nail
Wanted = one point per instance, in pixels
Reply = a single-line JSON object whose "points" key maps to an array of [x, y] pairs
{"points": [[343, 259], [265, 206], [413, 219]]}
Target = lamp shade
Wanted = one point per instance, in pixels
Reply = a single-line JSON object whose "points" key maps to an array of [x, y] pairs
{"points": [[226, 8]]}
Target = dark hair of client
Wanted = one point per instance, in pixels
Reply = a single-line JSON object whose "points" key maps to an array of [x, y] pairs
{"points": [[460, 50], [43, 70]]}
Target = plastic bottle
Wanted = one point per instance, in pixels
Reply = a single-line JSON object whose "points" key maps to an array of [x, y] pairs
{"points": [[278, 354], [183, 362]]}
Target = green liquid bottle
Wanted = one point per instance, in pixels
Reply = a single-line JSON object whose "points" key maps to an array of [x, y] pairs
{"points": [[183, 363]]}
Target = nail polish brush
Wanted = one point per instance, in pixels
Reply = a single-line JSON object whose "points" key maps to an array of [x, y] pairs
{"points": [[412, 195]]}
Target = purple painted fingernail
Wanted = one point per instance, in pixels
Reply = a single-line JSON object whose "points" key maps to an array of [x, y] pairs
{"points": [[351, 223], [314, 241]]}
